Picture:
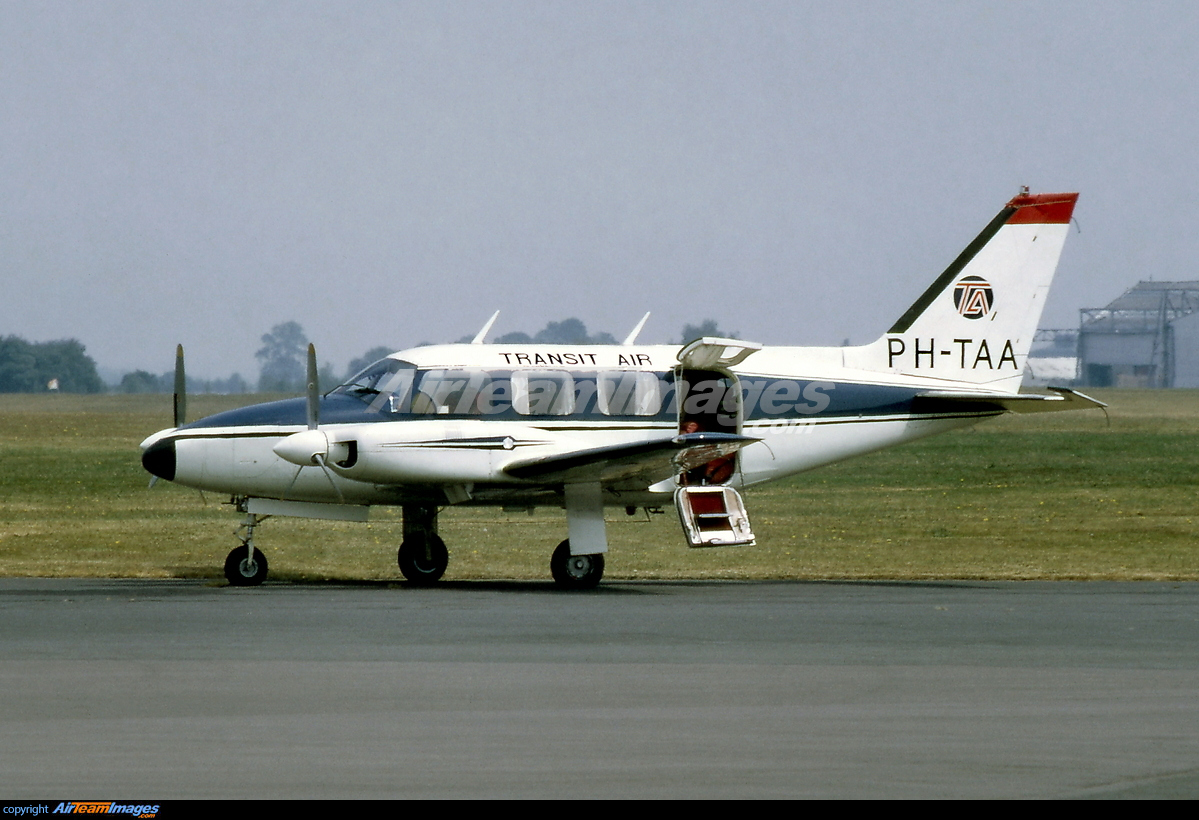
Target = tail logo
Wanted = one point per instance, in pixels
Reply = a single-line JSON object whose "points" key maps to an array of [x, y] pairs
{"points": [[973, 297]]}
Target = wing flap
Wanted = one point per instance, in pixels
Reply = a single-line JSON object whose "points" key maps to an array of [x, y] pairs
{"points": [[652, 460]]}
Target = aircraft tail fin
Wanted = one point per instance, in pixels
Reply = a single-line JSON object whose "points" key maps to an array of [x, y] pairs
{"points": [[976, 322]]}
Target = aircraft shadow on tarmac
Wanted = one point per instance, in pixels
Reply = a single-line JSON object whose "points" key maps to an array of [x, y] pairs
{"points": [[640, 586]]}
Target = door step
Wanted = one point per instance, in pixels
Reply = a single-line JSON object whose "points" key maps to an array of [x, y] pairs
{"points": [[713, 517]]}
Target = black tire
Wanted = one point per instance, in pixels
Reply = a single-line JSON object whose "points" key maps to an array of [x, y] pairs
{"points": [[576, 571], [243, 571], [423, 563]]}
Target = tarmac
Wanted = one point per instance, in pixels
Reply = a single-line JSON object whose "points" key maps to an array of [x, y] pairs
{"points": [[156, 690]]}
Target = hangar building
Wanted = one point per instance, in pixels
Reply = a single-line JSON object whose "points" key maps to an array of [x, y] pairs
{"points": [[1148, 337]]}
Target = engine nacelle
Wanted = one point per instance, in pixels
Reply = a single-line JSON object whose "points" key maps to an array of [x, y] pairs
{"points": [[311, 447], [417, 453]]}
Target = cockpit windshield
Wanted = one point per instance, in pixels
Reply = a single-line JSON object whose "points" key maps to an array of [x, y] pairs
{"points": [[383, 377]]}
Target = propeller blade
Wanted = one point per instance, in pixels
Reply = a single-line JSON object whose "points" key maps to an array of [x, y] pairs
{"points": [[180, 388], [287, 492], [314, 390], [303, 449], [320, 460]]}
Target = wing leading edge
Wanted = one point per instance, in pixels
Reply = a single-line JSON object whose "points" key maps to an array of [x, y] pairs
{"points": [[652, 460]]}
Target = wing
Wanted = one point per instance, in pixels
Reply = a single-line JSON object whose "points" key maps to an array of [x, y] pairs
{"points": [[1063, 399], [648, 461]]}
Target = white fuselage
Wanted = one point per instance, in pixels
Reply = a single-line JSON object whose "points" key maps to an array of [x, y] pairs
{"points": [[806, 407]]}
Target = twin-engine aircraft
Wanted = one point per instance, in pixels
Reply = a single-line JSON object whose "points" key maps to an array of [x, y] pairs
{"points": [[628, 426]]}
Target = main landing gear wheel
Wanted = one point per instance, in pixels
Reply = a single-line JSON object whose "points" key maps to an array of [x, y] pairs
{"points": [[423, 559], [243, 569], [576, 571]]}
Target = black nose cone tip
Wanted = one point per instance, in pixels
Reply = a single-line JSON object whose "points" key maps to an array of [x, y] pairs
{"points": [[159, 459]]}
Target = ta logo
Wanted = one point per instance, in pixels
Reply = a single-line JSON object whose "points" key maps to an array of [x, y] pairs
{"points": [[973, 297]]}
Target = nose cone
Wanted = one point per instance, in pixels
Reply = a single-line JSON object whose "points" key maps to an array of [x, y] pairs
{"points": [[159, 459]]}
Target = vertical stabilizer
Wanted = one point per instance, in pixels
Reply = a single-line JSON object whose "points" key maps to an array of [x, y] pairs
{"points": [[975, 323]]}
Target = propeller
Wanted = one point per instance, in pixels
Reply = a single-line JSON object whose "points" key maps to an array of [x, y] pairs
{"points": [[180, 388], [310, 447], [314, 390], [179, 403]]}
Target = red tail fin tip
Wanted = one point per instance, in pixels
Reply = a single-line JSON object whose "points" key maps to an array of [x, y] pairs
{"points": [[1041, 209]]}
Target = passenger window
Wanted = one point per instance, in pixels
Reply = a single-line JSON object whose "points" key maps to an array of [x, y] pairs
{"points": [[543, 393], [629, 393]]}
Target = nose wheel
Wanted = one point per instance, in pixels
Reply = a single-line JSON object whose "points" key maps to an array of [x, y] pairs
{"points": [[576, 571], [244, 568], [246, 565]]}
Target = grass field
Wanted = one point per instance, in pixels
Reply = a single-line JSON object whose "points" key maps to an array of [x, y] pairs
{"points": [[1057, 496]]}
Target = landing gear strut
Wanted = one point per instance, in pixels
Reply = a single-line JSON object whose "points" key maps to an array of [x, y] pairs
{"points": [[422, 556], [246, 565], [585, 524]]}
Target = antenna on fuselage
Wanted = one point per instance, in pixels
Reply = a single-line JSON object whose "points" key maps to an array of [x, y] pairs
{"points": [[482, 334], [632, 337]]}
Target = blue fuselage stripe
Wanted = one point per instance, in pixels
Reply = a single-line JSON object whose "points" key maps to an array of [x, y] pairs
{"points": [[763, 399]]}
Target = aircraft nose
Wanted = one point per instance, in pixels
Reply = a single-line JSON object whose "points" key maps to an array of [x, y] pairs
{"points": [[159, 459]]}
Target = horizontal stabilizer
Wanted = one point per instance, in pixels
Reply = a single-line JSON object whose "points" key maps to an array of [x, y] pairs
{"points": [[1063, 399], [655, 460]]}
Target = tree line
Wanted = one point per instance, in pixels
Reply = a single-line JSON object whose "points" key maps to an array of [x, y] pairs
{"points": [[41, 367]]}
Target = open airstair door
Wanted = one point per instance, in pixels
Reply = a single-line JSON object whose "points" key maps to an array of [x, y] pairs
{"points": [[710, 510], [713, 516]]}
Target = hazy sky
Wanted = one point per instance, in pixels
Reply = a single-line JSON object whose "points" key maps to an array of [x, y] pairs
{"points": [[393, 172]]}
